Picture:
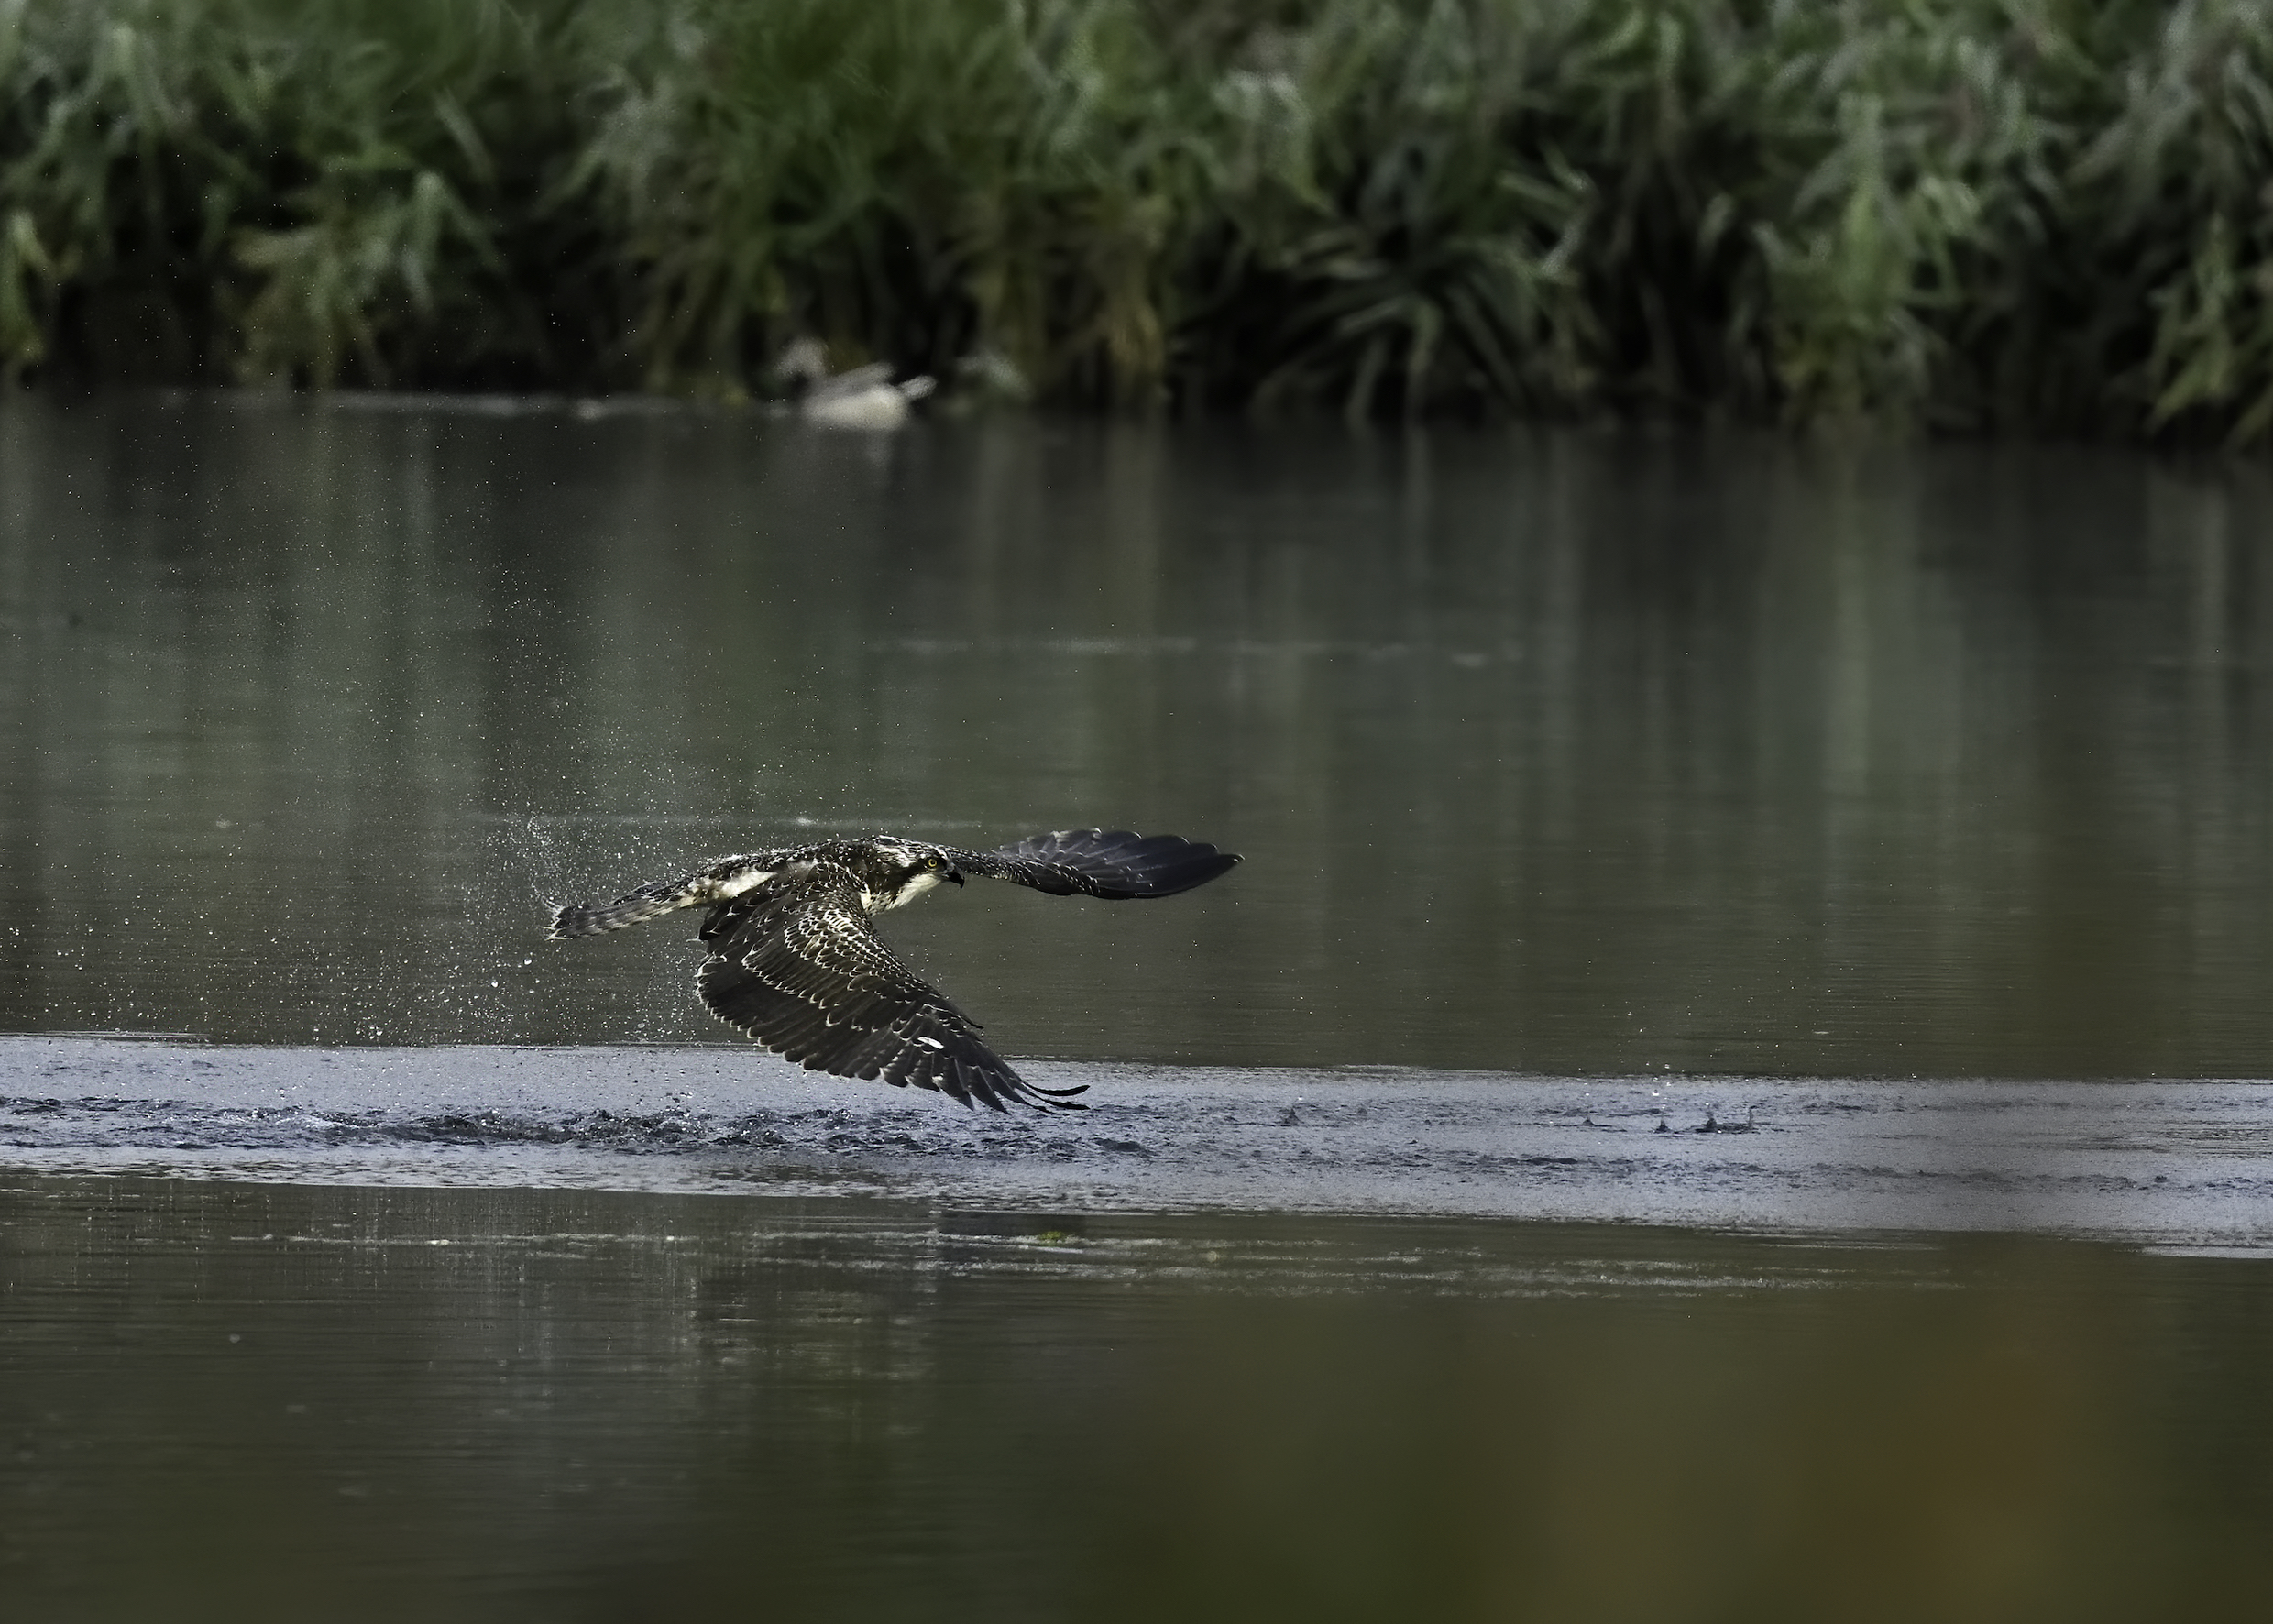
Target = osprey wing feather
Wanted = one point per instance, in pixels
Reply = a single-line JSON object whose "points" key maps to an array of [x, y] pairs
{"points": [[797, 966], [1115, 864]]}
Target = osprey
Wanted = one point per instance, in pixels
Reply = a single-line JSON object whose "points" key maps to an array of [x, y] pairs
{"points": [[795, 964]]}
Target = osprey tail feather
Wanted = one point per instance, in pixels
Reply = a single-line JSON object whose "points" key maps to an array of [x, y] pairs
{"points": [[646, 902]]}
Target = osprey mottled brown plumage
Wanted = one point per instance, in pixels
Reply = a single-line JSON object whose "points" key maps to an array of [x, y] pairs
{"points": [[796, 963]]}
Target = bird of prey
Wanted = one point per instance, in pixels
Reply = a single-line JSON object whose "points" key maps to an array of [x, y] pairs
{"points": [[796, 963]]}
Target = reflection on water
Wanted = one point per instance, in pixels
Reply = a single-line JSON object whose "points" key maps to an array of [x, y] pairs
{"points": [[1556, 751], [507, 1404]]}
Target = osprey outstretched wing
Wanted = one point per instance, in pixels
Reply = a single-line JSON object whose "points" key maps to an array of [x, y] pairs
{"points": [[1115, 864], [796, 963]]}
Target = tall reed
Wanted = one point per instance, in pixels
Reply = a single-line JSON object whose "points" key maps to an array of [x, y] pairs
{"points": [[1963, 215]]}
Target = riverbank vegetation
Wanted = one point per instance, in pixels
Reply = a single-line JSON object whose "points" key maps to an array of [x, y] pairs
{"points": [[1959, 214]]}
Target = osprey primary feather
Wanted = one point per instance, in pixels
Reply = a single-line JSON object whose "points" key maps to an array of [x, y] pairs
{"points": [[796, 964]]}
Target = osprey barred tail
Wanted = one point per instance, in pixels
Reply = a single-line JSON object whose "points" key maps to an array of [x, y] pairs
{"points": [[796, 963]]}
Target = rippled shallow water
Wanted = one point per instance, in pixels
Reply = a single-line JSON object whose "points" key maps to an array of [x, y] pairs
{"points": [[1729, 1084], [2176, 1165]]}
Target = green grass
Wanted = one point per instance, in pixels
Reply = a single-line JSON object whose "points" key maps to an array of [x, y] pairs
{"points": [[1957, 214]]}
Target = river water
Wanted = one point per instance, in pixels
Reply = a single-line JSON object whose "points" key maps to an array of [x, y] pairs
{"points": [[1730, 1082]]}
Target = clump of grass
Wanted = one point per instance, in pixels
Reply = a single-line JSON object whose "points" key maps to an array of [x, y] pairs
{"points": [[238, 189], [1964, 214]]}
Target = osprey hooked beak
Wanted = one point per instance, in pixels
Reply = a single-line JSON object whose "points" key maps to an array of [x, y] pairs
{"points": [[953, 876]]}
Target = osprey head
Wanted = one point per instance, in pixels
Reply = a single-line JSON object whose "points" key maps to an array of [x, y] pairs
{"points": [[910, 869]]}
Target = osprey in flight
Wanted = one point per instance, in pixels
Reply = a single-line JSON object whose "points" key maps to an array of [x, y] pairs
{"points": [[795, 963]]}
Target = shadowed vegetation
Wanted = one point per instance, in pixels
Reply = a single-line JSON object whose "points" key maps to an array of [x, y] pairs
{"points": [[1959, 214]]}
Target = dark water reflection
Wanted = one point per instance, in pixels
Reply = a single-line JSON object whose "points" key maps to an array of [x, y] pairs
{"points": [[261, 1402], [1550, 751]]}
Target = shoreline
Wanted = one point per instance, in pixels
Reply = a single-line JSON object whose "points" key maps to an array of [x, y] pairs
{"points": [[1950, 221]]}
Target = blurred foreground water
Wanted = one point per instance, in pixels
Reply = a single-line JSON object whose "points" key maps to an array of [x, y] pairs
{"points": [[262, 1401], [1853, 814]]}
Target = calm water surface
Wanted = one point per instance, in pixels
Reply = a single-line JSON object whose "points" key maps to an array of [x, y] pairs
{"points": [[1547, 753], [260, 1401], [1588, 783]]}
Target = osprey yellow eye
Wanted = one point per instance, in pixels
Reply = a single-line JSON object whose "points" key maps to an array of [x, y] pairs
{"points": [[931, 862]]}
